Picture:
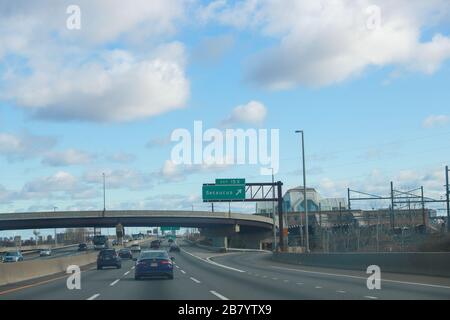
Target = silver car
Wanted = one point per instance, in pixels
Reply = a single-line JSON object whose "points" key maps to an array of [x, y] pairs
{"points": [[45, 253], [14, 256]]}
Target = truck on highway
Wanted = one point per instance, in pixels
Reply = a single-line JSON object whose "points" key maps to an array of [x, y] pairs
{"points": [[100, 242]]}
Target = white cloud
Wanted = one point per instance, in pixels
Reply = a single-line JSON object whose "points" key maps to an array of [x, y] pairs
{"points": [[116, 88], [122, 157], [120, 179], [436, 121], [211, 50], [61, 185], [172, 172], [326, 42], [75, 75], [67, 158], [25, 145], [253, 113]]}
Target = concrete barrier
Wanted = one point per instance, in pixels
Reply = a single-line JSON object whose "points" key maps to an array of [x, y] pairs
{"points": [[420, 263], [222, 249], [26, 270]]}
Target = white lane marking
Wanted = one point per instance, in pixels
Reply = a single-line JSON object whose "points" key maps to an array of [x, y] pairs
{"points": [[177, 267], [221, 297], [357, 277], [95, 296], [208, 260], [113, 283], [274, 278], [132, 268], [264, 277], [318, 287], [183, 272], [285, 281], [126, 273], [300, 283], [341, 291], [195, 280], [370, 297]]}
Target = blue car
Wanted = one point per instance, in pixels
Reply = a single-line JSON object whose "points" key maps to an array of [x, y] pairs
{"points": [[154, 263]]}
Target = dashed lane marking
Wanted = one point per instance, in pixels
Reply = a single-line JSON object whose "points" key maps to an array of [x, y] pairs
{"points": [[114, 282], [221, 297], [195, 280], [95, 296]]}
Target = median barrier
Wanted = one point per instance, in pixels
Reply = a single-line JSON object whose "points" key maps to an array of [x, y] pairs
{"points": [[420, 263], [27, 270]]}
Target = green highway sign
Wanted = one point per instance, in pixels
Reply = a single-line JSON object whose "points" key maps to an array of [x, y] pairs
{"points": [[170, 228], [230, 181], [223, 192]]}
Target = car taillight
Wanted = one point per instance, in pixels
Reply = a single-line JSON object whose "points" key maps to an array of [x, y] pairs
{"points": [[165, 262]]}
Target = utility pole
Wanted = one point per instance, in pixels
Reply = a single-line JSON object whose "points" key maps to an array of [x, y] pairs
{"points": [[392, 206], [104, 194], [280, 215], [447, 196], [423, 210], [273, 214], [305, 198]]}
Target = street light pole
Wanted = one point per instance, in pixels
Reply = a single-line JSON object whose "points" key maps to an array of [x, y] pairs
{"points": [[305, 199], [104, 194]]}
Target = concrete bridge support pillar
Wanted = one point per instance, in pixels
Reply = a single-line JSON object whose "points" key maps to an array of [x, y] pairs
{"points": [[220, 242]]}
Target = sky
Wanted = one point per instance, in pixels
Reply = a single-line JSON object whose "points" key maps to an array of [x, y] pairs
{"points": [[101, 87]]}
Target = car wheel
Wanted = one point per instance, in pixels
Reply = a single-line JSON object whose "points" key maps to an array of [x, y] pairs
{"points": [[119, 266], [137, 278], [171, 277], [99, 268]]}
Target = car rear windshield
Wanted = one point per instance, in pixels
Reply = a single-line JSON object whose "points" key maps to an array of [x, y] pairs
{"points": [[154, 255], [11, 254], [107, 252]]}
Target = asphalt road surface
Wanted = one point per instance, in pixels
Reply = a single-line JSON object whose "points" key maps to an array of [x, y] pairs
{"points": [[202, 275]]}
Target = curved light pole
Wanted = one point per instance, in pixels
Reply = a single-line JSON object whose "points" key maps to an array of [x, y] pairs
{"points": [[305, 200]]}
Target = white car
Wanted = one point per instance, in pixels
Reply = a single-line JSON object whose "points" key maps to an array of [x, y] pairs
{"points": [[45, 253]]}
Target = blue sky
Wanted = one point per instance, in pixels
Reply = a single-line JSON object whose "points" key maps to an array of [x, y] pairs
{"points": [[76, 103]]}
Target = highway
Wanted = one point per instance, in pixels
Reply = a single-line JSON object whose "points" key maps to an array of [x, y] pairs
{"points": [[204, 275], [56, 253]]}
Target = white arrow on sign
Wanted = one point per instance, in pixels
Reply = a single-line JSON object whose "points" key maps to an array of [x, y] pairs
{"points": [[239, 192]]}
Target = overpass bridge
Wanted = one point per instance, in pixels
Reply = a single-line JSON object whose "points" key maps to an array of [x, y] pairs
{"points": [[223, 228], [132, 218]]}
